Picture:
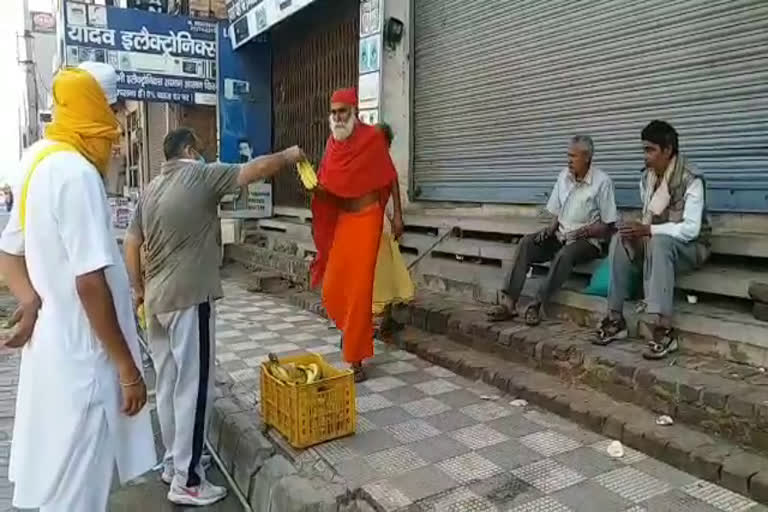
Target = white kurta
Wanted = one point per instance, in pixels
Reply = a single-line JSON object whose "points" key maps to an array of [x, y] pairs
{"points": [[65, 373]]}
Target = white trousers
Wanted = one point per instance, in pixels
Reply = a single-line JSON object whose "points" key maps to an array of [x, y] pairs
{"points": [[88, 476], [182, 345]]}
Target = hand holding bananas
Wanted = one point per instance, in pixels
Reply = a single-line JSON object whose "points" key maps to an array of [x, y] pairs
{"points": [[293, 374]]}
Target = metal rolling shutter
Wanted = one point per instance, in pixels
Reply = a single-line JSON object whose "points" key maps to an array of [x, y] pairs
{"points": [[313, 52], [501, 85]]}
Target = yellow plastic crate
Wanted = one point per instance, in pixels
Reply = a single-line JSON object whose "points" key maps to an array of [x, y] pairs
{"points": [[309, 414]]}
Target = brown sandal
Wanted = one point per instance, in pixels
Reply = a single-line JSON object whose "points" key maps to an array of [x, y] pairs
{"points": [[360, 375], [501, 314]]}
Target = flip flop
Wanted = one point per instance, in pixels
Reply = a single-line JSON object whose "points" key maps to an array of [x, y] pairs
{"points": [[533, 315]]}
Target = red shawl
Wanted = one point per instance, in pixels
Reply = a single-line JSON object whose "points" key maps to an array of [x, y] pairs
{"points": [[351, 168]]}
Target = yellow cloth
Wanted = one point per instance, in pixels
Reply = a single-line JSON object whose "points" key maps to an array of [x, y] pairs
{"points": [[82, 117], [48, 150], [392, 284]]}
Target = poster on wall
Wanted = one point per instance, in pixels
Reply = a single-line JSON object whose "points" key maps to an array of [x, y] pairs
{"points": [[369, 116], [370, 17], [245, 102], [43, 22], [370, 54], [158, 57], [368, 91]]}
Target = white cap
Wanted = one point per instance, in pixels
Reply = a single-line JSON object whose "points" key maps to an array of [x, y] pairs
{"points": [[106, 76]]}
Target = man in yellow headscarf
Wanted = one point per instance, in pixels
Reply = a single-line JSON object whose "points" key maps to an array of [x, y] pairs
{"points": [[81, 395]]}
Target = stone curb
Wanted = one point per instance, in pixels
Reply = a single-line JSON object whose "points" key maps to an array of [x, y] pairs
{"points": [[702, 455], [728, 408], [267, 472]]}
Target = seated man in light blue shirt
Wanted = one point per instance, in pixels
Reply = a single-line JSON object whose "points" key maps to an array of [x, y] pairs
{"points": [[671, 239], [584, 208]]}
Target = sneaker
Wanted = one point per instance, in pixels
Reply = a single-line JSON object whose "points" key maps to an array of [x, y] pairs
{"points": [[665, 341], [200, 496], [168, 471], [610, 331]]}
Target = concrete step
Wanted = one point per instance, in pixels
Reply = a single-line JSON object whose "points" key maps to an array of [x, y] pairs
{"points": [[724, 328], [723, 398], [713, 279], [537, 371]]}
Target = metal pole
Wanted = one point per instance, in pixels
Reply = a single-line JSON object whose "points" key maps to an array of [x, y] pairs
{"points": [[25, 58]]}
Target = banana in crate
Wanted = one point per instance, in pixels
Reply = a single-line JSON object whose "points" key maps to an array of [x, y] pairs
{"points": [[293, 374]]}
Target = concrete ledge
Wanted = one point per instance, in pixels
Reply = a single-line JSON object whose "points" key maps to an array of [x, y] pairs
{"points": [[271, 475], [700, 454], [610, 390], [720, 397]]}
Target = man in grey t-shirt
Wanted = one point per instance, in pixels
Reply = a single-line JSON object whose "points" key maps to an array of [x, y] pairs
{"points": [[176, 222]]}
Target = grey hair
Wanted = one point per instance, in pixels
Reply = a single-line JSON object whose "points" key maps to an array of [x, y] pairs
{"points": [[585, 141]]}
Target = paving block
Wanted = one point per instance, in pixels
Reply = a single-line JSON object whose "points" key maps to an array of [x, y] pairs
{"points": [[263, 482], [294, 493], [706, 461], [229, 438], [222, 408], [760, 311], [738, 468], [252, 452], [758, 291], [613, 427], [681, 443], [758, 486], [267, 282]]}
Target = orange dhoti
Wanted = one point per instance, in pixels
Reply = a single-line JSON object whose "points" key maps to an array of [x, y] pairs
{"points": [[349, 275]]}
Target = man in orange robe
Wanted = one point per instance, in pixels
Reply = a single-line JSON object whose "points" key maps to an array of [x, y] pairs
{"points": [[355, 181]]}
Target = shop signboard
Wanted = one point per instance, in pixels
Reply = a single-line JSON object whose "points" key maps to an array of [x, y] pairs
{"points": [[158, 57], [249, 18], [43, 22]]}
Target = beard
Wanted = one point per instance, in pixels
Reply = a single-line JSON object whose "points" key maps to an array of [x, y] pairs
{"points": [[342, 130]]}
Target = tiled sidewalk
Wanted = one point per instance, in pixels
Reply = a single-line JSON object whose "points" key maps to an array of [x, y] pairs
{"points": [[429, 440]]}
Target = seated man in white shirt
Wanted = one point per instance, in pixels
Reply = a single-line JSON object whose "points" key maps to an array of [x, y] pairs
{"points": [[584, 208], [671, 239]]}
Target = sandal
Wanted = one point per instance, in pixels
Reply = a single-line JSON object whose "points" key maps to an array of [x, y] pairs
{"points": [[360, 375], [610, 330], [501, 313], [665, 341], [533, 315]]}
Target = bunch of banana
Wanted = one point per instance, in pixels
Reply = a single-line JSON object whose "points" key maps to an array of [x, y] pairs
{"points": [[142, 317], [307, 174], [291, 373]]}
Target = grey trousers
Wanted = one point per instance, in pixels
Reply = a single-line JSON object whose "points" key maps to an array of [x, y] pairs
{"points": [[663, 258], [182, 346], [563, 256]]}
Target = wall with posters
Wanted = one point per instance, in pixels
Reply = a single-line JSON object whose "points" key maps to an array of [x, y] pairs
{"points": [[245, 99], [369, 85], [395, 92], [158, 57]]}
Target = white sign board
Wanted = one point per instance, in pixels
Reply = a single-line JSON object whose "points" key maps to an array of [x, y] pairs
{"points": [[261, 18]]}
